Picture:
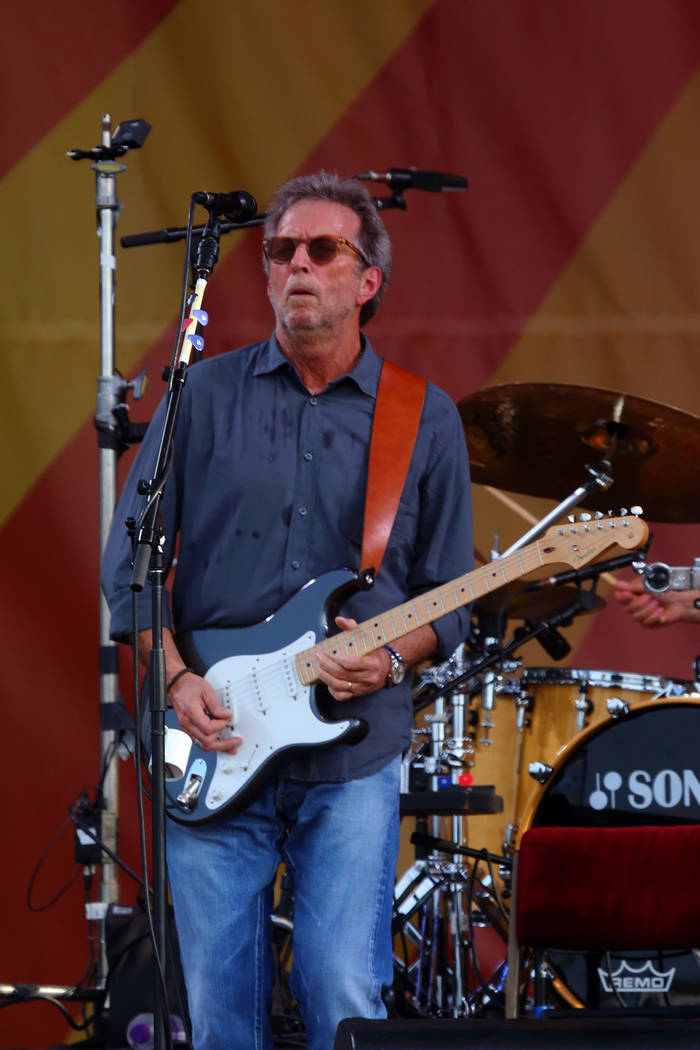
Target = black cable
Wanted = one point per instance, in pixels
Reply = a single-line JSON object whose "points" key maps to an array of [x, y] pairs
{"points": [[142, 830], [37, 868], [183, 295], [110, 853], [470, 925], [159, 482]]}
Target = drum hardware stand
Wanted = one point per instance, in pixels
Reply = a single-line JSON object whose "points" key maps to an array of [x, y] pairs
{"points": [[430, 908], [432, 888], [659, 577]]}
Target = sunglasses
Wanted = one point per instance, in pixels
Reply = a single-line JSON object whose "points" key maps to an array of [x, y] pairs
{"points": [[321, 250]]}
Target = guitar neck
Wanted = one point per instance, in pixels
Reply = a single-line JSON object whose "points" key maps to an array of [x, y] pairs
{"points": [[402, 619]]}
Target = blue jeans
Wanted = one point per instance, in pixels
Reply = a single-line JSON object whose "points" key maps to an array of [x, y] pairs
{"points": [[340, 843]]}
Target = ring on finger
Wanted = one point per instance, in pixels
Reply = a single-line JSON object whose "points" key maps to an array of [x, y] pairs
{"points": [[349, 686]]}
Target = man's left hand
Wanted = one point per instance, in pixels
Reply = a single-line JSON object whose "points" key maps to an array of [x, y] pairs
{"points": [[352, 676]]}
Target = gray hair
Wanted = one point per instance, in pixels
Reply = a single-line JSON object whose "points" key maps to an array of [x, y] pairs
{"points": [[374, 239]]}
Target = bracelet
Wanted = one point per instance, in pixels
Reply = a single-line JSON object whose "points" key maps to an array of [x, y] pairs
{"points": [[173, 680]]}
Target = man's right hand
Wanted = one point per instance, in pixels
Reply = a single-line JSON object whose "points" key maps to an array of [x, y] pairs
{"points": [[200, 713], [194, 700]]}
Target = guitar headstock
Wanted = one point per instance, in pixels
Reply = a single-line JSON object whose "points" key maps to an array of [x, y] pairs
{"points": [[578, 542]]}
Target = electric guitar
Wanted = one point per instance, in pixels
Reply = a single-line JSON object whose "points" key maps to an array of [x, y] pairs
{"points": [[266, 675]]}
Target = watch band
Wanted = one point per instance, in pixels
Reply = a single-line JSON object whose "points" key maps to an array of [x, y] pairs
{"points": [[397, 670]]}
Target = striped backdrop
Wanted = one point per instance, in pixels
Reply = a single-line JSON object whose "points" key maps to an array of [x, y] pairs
{"points": [[574, 257]]}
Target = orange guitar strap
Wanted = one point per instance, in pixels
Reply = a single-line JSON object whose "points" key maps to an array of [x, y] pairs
{"points": [[397, 413]]}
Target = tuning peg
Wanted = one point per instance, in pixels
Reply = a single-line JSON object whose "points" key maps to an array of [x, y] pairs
{"points": [[636, 510], [598, 515], [623, 512], [572, 518], [585, 516]]}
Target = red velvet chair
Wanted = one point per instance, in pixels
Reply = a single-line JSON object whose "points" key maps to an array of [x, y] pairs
{"points": [[602, 889]]}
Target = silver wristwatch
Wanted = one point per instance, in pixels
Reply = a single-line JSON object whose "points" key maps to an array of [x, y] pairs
{"points": [[397, 671]]}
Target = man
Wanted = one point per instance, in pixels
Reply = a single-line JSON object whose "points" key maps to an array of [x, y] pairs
{"points": [[267, 492]]}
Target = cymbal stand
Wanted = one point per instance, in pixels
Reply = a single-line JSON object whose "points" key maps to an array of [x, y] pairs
{"points": [[432, 915], [600, 478]]}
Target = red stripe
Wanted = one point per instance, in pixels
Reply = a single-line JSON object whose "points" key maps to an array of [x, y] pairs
{"points": [[51, 58], [544, 106]]}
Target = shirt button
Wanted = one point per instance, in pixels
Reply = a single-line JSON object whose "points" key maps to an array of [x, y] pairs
{"points": [[308, 456], [295, 564], [303, 511], [313, 400]]}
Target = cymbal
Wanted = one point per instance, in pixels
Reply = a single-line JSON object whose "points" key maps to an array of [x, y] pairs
{"points": [[533, 605], [537, 439]]}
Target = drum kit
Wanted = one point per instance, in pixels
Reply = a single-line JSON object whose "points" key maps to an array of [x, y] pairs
{"points": [[499, 748]]}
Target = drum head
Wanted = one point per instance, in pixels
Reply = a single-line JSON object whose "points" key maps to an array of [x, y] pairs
{"points": [[642, 768]]}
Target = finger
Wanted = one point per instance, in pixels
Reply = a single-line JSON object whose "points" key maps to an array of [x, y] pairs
{"points": [[337, 681], [342, 670], [345, 691], [230, 744]]}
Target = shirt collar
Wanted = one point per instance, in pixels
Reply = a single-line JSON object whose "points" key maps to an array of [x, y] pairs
{"points": [[365, 374]]}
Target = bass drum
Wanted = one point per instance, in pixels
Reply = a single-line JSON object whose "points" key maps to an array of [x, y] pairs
{"points": [[535, 719], [640, 768]]}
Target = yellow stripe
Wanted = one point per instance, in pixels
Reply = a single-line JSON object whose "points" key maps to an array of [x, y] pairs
{"points": [[237, 95], [624, 313]]}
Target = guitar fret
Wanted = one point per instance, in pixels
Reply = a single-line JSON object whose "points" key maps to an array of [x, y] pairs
{"points": [[304, 666], [271, 687], [378, 635], [407, 617]]}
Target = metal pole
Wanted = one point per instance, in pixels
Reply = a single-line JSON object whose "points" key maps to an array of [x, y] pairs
{"points": [[107, 400]]}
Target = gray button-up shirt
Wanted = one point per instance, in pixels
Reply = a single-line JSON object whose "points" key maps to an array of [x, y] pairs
{"points": [[267, 491]]}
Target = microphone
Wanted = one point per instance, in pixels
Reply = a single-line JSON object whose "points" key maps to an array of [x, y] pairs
{"points": [[659, 577], [579, 575], [237, 206], [411, 178], [552, 641]]}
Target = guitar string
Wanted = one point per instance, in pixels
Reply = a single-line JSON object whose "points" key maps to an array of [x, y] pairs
{"points": [[526, 559]]}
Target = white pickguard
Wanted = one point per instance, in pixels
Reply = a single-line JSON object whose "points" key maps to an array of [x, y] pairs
{"points": [[270, 711]]}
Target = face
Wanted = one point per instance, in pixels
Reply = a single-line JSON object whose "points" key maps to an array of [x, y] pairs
{"points": [[309, 297]]}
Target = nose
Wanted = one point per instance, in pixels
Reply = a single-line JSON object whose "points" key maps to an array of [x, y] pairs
{"points": [[300, 260]]}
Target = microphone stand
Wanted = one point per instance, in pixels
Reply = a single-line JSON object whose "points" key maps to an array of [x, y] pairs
{"points": [[495, 654], [148, 559], [115, 434], [170, 234]]}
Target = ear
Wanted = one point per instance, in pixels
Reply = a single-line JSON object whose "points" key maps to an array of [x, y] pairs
{"points": [[370, 283]]}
